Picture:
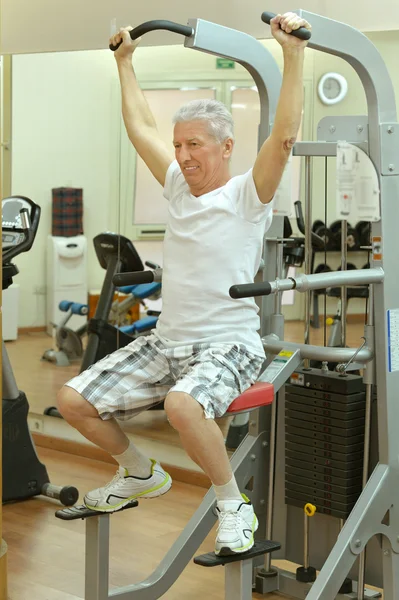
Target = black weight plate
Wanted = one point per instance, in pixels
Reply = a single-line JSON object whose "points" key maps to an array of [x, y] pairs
{"points": [[347, 433], [321, 471], [344, 482], [325, 437], [321, 398], [297, 459], [324, 420], [326, 412]]}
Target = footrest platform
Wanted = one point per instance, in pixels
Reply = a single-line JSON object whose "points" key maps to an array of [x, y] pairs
{"points": [[81, 511], [261, 547]]}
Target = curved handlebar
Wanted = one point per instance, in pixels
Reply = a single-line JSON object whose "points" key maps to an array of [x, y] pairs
{"points": [[302, 33], [247, 290], [155, 25]]}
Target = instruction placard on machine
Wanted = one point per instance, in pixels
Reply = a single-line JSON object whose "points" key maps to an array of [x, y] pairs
{"points": [[358, 193], [277, 366]]}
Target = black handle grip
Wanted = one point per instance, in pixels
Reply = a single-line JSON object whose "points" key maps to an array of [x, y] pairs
{"points": [[317, 241], [246, 290], [302, 33], [133, 278], [151, 264], [153, 26]]}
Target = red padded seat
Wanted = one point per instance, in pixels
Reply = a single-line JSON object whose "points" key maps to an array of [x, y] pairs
{"points": [[259, 394]]}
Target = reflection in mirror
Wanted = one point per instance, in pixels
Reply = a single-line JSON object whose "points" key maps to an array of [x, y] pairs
{"points": [[64, 152]]}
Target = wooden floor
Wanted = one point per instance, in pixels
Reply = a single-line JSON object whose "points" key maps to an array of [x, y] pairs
{"points": [[46, 555]]}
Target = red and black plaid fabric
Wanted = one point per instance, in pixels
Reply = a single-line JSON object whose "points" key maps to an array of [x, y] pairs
{"points": [[67, 212]]}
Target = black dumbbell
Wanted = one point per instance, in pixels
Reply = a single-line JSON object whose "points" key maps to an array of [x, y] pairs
{"points": [[363, 230], [352, 241], [322, 231], [349, 267]]}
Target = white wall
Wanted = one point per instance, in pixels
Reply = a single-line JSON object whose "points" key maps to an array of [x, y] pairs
{"points": [[64, 133]]}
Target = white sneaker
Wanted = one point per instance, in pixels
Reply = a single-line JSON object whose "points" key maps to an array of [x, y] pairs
{"points": [[124, 487], [237, 525]]}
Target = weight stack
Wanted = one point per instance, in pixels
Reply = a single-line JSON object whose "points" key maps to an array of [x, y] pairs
{"points": [[324, 440]]}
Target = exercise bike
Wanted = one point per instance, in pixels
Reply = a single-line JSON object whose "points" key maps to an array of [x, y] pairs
{"points": [[24, 475], [116, 254], [68, 341]]}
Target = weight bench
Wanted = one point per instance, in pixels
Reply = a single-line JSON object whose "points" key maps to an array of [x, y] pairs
{"points": [[249, 463]]}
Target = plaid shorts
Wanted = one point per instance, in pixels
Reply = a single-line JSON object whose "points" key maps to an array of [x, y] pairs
{"points": [[141, 374]]}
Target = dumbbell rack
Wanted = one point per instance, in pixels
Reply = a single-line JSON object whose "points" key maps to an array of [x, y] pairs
{"points": [[355, 292]]}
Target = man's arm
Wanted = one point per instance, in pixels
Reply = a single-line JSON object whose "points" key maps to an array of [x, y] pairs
{"points": [[138, 118], [274, 153]]}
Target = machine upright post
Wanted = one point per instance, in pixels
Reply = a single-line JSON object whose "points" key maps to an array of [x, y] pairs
{"points": [[97, 558]]}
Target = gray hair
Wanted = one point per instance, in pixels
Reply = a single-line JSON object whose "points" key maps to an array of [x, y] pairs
{"points": [[220, 121]]}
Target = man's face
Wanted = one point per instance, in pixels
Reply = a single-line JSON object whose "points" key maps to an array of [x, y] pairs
{"points": [[201, 158]]}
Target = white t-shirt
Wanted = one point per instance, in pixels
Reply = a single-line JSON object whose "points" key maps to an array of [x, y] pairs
{"points": [[211, 243]]}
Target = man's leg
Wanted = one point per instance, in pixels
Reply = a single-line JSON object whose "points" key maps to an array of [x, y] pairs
{"points": [[201, 437], [137, 476], [84, 417], [113, 387], [108, 435], [204, 443]]}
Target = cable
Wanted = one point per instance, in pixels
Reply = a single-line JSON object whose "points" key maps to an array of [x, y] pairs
{"points": [[325, 245], [117, 325], [368, 261]]}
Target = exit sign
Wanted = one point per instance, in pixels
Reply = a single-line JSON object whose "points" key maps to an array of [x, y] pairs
{"points": [[225, 63]]}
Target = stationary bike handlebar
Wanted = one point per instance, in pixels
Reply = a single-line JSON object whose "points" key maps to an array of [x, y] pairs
{"points": [[137, 277]]}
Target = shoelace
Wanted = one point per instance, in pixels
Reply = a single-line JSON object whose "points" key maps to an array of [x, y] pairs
{"points": [[230, 520], [115, 478]]}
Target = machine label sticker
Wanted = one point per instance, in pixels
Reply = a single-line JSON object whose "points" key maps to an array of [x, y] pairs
{"points": [[278, 363], [393, 339], [377, 248], [297, 379]]}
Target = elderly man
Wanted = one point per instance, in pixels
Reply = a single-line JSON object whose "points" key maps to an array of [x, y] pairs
{"points": [[205, 350]]}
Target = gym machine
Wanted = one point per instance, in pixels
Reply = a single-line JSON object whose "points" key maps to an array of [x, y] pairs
{"points": [[115, 253], [327, 456], [68, 341], [107, 329], [24, 475], [353, 507]]}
